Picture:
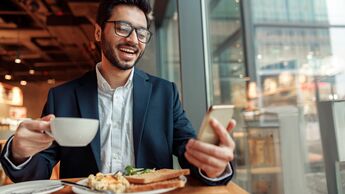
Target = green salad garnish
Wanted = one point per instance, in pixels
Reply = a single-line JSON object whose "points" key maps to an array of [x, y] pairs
{"points": [[130, 170]]}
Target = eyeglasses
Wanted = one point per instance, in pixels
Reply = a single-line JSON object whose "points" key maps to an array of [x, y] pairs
{"points": [[125, 29]]}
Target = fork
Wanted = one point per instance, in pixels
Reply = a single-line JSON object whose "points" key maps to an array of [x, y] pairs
{"points": [[84, 187], [117, 172]]}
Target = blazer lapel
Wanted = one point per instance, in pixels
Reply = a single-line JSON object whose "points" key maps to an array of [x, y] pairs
{"points": [[87, 96], [141, 97]]}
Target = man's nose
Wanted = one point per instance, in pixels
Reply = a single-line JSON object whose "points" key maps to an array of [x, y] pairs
{"points": [[133, 38]]}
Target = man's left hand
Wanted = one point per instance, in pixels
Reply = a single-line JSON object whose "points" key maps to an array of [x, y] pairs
{"points": [[212, 159]]}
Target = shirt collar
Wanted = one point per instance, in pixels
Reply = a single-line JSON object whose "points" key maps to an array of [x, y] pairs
{"points": [[104, 85]]}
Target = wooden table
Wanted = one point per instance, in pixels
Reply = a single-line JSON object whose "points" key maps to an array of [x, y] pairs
{"points": [[192, 187]]}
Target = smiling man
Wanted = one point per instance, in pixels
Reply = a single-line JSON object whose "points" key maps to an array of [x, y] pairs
{"points": [[142, 122]]}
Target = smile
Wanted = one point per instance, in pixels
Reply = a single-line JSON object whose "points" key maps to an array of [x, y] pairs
{"points": [[128, 50]]}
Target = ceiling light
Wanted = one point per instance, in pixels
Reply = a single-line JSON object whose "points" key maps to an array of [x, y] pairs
{"points": [[23, 83], [18, 60], [31, 71], [8, 77]]}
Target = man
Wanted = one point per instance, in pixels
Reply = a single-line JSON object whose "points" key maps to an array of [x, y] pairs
{"points": [[142, 122]]}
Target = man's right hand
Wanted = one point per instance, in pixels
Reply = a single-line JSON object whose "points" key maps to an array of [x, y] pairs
{"points": [[30, 138]]}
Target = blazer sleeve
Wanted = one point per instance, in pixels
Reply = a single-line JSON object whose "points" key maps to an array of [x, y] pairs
{"points": [[183, 131], [41, 164]]}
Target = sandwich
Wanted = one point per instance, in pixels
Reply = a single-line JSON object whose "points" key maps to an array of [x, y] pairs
{"points": [[158, 179], [137, 180], [156, 176]]}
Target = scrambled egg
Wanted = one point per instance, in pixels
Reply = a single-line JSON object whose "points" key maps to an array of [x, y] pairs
{"points": [[116, 183]]}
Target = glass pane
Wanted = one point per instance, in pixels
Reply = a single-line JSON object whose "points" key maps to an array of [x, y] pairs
{"points": [[169, 58], [227, 70], [300, 55], [228, 81]]}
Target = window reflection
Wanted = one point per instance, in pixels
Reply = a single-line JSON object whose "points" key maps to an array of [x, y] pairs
{"points": [[299, 55]]}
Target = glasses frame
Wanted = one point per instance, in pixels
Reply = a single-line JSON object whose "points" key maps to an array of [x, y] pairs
{"points": [[116, 22]]}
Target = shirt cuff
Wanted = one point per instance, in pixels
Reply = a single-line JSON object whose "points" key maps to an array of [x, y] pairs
{"points": [[228, 172], [7, 157]]}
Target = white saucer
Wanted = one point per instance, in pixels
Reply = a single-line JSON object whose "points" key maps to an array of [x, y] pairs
{"points": [[34, 187]]}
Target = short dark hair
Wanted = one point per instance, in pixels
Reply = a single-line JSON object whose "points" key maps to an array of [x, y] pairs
{"points": [[106, 6]]}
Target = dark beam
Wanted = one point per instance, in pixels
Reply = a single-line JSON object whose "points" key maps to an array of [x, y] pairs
{"points": [[62, 76], [66, 20], [159, 10], [232, 38], [65, 63], [83, 1], [13, 13], [51, 67]]}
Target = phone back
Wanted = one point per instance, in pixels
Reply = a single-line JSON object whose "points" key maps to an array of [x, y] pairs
{"points": [[223, 114]]}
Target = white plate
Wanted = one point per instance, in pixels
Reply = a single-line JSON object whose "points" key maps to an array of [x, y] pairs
{"points": [[36, 187], [84, 182]]}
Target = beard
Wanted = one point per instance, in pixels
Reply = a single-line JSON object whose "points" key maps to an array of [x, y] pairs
{"points": [[109, 53]]}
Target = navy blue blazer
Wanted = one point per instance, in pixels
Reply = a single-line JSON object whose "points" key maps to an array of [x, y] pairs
{"points": [[160, 129]]}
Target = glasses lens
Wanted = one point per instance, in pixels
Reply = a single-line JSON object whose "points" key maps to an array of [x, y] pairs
{"points": [[122, 29], [143, 35]]}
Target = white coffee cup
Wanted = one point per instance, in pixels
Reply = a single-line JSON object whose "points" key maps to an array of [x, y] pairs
{"points": [[73, 132]]}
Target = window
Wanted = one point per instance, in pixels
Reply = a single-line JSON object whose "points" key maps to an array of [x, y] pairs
{"points": [[169, 58], [294, 58]]}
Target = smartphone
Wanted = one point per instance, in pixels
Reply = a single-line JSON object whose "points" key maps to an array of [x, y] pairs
{"points": [[223, 114]]}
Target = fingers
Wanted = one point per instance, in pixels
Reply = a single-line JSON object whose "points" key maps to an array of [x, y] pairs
{"points": [[211, 171], [27, 143], [212, 159], [35, 125], [206, 159], [49, 117], [33, 136], [30, 138], [231, 125], [23, 148], [222, 133], [221, 153]]}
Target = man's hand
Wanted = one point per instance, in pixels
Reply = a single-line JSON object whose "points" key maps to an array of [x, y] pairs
{"points": [[212, 159], [30, 138]]}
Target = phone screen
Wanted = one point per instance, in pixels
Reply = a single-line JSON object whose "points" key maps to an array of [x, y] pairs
{"points": [[223, 114]]}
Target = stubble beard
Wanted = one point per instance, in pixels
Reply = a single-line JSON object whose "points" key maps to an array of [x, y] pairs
{"points": [[110, 54]]}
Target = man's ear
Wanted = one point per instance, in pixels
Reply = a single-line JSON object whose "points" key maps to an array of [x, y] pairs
{"points": [[98, 33]]}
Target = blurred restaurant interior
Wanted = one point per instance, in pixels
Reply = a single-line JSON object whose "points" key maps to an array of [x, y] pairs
{"points": [[280, 62]]}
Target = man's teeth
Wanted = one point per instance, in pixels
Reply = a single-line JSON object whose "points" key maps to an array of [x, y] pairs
{"points": [[127, 50]]}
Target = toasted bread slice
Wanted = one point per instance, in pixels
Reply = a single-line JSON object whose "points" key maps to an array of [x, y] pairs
{"points": [[156, 176], [171, 183]]}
